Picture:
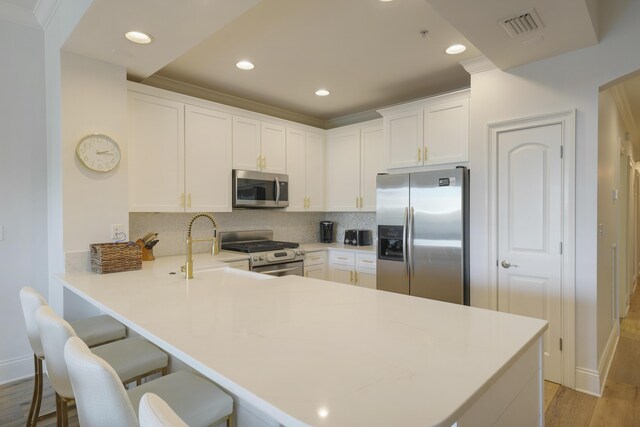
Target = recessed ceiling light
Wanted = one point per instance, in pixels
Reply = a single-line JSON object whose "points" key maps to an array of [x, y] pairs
{"points": [[385, 1], [245, 65], [138, 37], [322, 92], [456, 49]]}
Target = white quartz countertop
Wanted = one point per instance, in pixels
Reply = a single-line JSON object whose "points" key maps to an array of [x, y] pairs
{"points": [[311, 352], [314, 247]]}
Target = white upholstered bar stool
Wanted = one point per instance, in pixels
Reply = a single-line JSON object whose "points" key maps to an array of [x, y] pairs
{"points": [[93, 331], [102, 401], [155, 412], [132, 358]]}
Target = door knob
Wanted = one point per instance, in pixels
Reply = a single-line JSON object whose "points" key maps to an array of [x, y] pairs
{"points": [[507, 264]]}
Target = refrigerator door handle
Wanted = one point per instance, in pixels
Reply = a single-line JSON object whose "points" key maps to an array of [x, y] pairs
{"points": [[410, 242], [404, 241]]}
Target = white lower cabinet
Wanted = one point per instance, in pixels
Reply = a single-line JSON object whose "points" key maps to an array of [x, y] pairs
{"points": [[353, 268], [315, 265]]}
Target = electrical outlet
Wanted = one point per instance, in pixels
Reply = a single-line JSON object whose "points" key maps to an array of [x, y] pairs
{"points": [[117, 232]]}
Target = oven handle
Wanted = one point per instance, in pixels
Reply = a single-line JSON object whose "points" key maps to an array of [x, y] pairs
{"points": [[277, 190], [278, 271]]}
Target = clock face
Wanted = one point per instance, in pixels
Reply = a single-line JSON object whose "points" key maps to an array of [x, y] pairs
{"points": [[98, 152]]}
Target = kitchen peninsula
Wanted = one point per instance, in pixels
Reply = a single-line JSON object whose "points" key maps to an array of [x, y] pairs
{"points": [[310, 352]]}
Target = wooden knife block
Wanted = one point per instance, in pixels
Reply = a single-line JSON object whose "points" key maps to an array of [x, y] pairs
{"points": [[147, 254]]}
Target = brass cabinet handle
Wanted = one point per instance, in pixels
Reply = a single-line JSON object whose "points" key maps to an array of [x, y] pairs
{"points": [[361, 202], [182, 200], [419, 154], [426, 157], [189, 200], [264, 163], [357, 278], [259, 162], [351, 276]]}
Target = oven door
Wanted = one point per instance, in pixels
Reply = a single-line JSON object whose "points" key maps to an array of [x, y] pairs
{"points": [[260, 190], [285, 269]]}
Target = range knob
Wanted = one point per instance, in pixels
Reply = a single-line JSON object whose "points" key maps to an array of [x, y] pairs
{"points": [[261, 258], [255, 258], [299, 253]]}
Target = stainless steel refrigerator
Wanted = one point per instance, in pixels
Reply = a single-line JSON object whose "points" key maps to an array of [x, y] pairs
{"points": [[423, 229]]}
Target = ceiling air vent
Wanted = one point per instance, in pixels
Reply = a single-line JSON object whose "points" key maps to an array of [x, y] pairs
{"points": [[524, 23]]}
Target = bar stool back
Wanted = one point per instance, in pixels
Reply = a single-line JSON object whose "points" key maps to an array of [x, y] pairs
{"points": [[94, 330], [155, 412]]}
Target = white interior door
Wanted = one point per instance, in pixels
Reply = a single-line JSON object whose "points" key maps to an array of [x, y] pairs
{"points": [[529, 182]]}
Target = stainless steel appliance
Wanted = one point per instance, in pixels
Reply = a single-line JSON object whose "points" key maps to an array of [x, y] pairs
{"points": [[266, 255], [358, 237], [326, 231], [423, 229], [253, 189]]}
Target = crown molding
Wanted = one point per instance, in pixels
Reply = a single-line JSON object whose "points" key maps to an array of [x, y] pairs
{"points": [[37, 18], [44, 11], [233, 101], [477, 64], [622, 103]]}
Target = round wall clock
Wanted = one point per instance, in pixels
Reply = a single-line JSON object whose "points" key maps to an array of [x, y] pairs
{"points": [[98, 152]]}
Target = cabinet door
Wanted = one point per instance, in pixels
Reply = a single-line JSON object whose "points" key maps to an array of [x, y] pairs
{"points": [[371, 163], [156, 154], [343, 172], [342, 274], [367, 279], [208, 151], [315, 171], [296, 169], [403, 137], [246, 144], [315, 272], [446, 132], [273, 144]]}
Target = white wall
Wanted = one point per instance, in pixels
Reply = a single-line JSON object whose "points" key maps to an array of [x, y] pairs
{"points": [[557, 84], [23, 188], [94, 100]]}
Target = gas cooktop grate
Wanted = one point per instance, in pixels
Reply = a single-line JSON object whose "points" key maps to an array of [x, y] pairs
{"points": [[267, 245]]}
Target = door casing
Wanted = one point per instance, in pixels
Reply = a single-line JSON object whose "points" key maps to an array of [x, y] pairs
{"points": [[567, 120]]}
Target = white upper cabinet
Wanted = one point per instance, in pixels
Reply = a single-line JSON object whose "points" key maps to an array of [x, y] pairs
{"points": [[446, 132], [343, 171], [296, 169], [305, 167], [273, 148], [315, 171], [354, 158], [156, 154], [258, 146], [371, 164], [403, 135], [246, 144], [207, 160], [180, 156], [432, 131]]}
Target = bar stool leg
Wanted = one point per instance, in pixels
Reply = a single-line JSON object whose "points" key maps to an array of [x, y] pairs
{"points": [[58, 410], [36, 400]]}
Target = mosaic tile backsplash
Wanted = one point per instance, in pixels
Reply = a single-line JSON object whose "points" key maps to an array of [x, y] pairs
{"points": [[302, 227]]}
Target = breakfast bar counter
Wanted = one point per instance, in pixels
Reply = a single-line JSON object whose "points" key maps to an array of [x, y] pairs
{"points": [[310, 352]]}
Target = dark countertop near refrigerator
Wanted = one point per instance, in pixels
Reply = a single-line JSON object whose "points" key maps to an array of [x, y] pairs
{"points": [[314, 247]]}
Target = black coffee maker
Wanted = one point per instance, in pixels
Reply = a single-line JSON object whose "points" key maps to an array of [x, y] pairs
{"points": [[326, 231]]}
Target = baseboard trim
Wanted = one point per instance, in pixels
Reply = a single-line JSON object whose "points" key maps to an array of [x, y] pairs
{"points": [[592, 382], [16, 369]]}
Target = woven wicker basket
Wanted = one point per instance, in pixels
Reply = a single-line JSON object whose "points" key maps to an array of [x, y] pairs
{"points": [[115, 257]]}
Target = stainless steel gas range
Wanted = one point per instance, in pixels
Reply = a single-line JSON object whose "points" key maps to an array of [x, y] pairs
{"points": [[266, 255]]}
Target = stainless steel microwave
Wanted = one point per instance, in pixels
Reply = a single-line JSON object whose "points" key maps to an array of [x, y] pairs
{"points": [[260, 189]]}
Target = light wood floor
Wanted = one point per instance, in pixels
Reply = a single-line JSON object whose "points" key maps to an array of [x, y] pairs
{"points": [[618, 407]]}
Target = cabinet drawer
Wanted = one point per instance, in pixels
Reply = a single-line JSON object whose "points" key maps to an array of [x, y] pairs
{"points": [[315, 258], [342, 258], [365, 261]]}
